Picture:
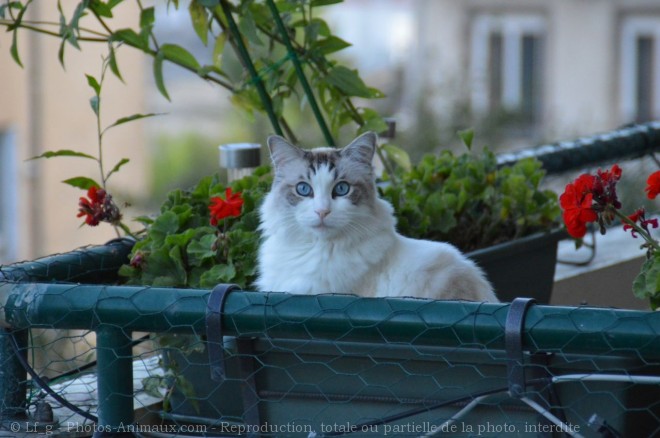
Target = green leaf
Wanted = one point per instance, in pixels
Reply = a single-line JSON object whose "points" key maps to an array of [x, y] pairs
{"points": [[372, 121], [647, 283], [155, 386], [467, 136], [218, 274], [317, 3], [13, 50], [200, 20], [130, 37], [60, 52], [329, 45], [200, 250], [63, 153], [13, 5], [248, 28], [74, 24], [101, 9], [158, 74], [209, 3], [94, 102], [348, 82], [112, 62], [218, 49], [179, 55], [399, 156], [130, 119], [188, 391], [94, 83], [117, 167], [144, 220], [165, 224], [81, 182], [182, 239], [147, 19]]}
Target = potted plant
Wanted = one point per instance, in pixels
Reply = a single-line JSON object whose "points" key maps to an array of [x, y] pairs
{"points": [[592, 198], [501, 217], [488, 212]]}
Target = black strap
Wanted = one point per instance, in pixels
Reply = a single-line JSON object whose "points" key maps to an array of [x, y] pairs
{"points": [[513, 343], [214, 332]]}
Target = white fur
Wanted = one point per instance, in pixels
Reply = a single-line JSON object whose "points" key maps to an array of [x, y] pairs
{"points": [[354, 249]]}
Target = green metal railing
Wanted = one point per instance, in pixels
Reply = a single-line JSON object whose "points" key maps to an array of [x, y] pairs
{"points": [[626, 143], [414, 325]]}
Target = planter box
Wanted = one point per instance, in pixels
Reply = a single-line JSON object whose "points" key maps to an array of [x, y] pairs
{"points": [[523, 267], [332, 386]]}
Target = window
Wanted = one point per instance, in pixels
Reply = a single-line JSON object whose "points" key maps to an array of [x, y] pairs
{"points": [[640, 67], [506, 64], [8, 198]]}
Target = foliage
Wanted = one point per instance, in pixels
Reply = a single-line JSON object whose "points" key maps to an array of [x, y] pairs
{"points": [[593, 198], [468, 201], [462, 199], [182, 249], [284, 46]]}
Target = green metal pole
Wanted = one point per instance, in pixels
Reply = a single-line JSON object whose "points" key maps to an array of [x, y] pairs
{"points": [[115, 382], [244, 56], [300, 73], [13, 378]]}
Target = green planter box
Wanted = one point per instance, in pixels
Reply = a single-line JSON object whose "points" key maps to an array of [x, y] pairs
{"points": [[523, 267], [325, 387]]}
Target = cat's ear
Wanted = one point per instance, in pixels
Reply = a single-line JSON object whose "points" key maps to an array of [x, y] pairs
{"points": [[362, 149], [281, 151]]}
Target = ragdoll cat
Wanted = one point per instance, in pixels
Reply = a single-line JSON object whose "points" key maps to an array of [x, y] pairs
{"points": [[325, 229]]}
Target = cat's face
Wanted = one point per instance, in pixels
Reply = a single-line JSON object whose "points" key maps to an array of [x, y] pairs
{"points": [[324, 191]]}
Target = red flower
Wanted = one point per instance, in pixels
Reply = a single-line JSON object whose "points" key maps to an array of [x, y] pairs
{"points": [[609, 176], [98, 208], [640, 216], [577, 203], [138, 260], [604, 188], [653, 185], [223, 208]]}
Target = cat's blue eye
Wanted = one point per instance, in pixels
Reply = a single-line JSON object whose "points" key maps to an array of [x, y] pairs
{"points": [[303, 189], [341, 189]]}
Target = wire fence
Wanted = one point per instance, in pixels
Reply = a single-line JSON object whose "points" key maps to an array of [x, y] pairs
{"points": [[234, 363], [82, 356]]}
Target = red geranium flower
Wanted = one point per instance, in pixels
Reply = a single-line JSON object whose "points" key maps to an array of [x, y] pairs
{"points": [[612, 175], [640, 216], [653, 185], [604, 188], [223, 208], [98, 207], [577, 202]]}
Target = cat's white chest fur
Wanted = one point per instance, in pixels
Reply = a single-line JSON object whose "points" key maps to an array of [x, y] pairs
{"points": [[325, 230]]}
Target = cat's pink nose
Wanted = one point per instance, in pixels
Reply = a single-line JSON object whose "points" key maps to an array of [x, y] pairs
{"points": [[322, 213]]}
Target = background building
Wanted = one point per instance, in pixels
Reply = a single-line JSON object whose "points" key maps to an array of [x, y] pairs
{"points": [[542, 71]]}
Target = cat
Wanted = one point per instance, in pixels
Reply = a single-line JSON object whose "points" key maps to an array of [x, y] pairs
{"points": [[325, 229]]}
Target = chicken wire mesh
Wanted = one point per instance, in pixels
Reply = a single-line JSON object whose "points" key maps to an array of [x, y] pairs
{"points": [[143, 361]]}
